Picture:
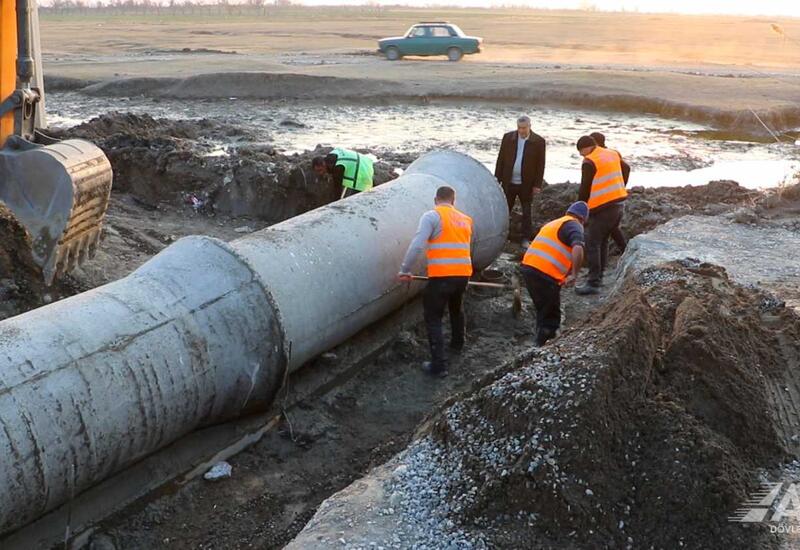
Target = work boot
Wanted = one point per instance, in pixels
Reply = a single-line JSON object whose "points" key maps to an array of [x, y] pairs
{"points": [[427, 367], [544, 335], [456, 347], [587, 290]]}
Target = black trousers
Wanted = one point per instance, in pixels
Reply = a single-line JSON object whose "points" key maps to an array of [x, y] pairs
{"points": [[619, 238], [349, 191], [444, 292], [546, 296], [512, 192], [601, 225]]}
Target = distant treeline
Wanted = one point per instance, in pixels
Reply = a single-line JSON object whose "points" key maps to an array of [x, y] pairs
{"points": [[182, 7]]}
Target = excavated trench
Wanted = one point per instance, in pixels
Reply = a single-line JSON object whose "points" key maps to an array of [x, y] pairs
{"points": [[673, 371]]}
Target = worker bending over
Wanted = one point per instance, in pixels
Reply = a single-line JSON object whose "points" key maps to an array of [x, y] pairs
{"points": [[553, 260], [352, 170], [447, 235], [616, 234], [603, 179]]}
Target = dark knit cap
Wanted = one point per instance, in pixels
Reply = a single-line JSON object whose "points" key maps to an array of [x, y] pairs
{"points": [[580, 209], [586, 141], [599, 138]]}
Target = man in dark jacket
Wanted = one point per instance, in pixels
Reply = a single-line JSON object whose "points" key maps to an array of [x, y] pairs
{"points": [[520, 170]]}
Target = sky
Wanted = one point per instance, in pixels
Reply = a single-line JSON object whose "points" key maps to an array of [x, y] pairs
{"points": [[744, 7]]}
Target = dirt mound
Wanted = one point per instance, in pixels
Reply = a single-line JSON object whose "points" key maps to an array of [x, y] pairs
{"points": [[250, 85], [118, 125], [54, 83], [127, 87], [546, 89], [647, 208], [642, 427], [213, 167], [22, 285]]}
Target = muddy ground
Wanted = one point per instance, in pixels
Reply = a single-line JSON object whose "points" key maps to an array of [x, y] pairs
{"points": [[170, 183]]}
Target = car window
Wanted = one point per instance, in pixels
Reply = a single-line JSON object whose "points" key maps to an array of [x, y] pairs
{"points": [[441, 32], [418, 32], [457, 30]]}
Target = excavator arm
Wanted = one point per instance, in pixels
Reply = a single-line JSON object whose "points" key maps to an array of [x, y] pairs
{"points": [[57, 192]]}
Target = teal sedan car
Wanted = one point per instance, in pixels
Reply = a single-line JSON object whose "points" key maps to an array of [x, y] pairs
{"points": [[433, 38]]}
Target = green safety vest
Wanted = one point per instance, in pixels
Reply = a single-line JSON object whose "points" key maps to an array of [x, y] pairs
{"points": [[358, 169]]}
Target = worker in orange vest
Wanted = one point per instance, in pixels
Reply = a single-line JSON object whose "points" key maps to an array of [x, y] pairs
{"points": [[616, 234], [446, 233], [604, 175], [552, 261]]}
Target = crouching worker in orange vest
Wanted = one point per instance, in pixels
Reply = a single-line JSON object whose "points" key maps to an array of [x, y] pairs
{"points": [[553, 260], [447, 235]]}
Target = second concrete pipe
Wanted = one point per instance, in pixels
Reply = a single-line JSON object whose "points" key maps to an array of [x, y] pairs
{"points": [[206, 329]]}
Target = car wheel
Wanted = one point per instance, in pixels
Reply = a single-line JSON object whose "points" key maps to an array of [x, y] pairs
{"points": [[393, 54], [454, 54]]}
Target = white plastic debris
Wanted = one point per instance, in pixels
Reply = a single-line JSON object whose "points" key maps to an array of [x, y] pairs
{"points": [[221, 470]]}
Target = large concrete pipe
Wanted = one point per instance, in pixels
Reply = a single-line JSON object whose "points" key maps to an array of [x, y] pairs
{"points": [[206, 329]]}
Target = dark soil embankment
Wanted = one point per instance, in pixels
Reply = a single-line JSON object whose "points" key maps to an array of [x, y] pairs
{"points": [[642, 427], [171, 178], [216, 167], [20, 285], [647, 208], [247, 85]]}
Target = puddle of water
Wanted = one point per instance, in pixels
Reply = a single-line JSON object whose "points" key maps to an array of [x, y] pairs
{"points": [[661, 151]]}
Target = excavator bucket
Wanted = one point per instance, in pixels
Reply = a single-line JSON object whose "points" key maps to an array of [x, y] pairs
{"points": [[57, 192], [59, 195]]}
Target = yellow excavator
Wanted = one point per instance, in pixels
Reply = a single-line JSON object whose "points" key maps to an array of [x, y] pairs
{"points": [[56, 191]]}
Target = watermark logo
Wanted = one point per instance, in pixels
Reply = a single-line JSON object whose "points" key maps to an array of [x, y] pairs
{"points": [[774, 503]]}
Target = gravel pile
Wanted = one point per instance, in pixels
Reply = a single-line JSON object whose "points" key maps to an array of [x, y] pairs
{"points": [[434, 484], [644, 427]]}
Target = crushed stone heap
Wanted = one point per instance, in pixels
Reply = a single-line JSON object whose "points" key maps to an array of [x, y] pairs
{"points": [[644, 426]]}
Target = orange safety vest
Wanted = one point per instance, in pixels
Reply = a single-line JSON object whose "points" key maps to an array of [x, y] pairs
{"points": [[449, 253], [548, 254], [608, 184]]}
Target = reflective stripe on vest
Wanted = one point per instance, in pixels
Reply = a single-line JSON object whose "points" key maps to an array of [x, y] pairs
{"points": [[358, 169], [449, 253], [608, 184], [548, 254]]}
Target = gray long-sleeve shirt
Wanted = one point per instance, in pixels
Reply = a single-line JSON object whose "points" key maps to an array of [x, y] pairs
{"points": [[430, 227]]}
